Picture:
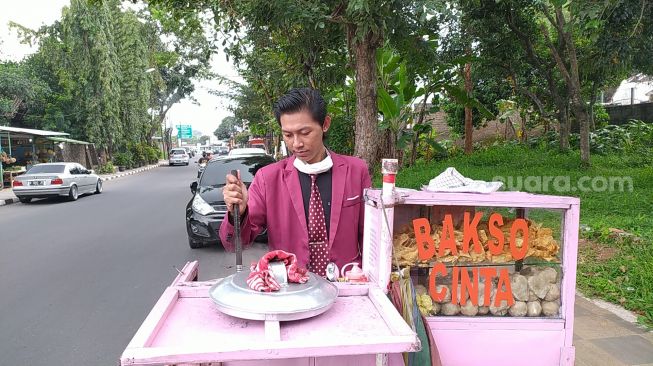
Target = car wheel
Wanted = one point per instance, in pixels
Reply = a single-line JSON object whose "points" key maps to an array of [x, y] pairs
{"points": [[194, 244], [98, 186], [73, 194], [24, 199], [186, 164]]}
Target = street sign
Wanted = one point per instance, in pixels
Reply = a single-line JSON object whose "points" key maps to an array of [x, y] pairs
{"points": [[184, 131]]}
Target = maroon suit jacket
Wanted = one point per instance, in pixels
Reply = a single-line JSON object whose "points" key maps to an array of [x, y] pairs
{"points": [[275, 201]]}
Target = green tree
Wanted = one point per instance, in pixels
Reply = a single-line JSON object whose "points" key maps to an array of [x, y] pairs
{"points": [[558, 54], [88, 33], [227, 128], [111, 76], [133, 55], [19, 91], [311, 34]]}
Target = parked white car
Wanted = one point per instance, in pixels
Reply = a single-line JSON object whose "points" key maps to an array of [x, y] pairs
{"points": [[247, 151], [178, 156], [56, 179]]}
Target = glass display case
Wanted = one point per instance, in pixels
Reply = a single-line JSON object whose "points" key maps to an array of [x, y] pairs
{"points": [[495, 269]]}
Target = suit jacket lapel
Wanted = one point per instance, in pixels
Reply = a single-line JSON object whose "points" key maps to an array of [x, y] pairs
{"points": [[291, 179], [338, 176]]}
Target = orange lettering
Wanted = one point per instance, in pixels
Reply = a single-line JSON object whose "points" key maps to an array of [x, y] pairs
{"points": [[454, 286], [496, 246], [435, 295], [470, 232], [447, 239], [488, 273], [469, 287], [504, 280], [519, 253], [425, 243]]}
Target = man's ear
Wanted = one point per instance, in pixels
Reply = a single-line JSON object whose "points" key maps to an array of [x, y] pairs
{"points": [[327, 124]]}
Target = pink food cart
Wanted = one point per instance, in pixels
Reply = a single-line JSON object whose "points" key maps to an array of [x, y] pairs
{"points": [[363, 328], [497, 335], [186, 328]]}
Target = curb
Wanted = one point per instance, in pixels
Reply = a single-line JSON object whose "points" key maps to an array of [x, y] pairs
{"points": [[9, 201], [131, 172]]}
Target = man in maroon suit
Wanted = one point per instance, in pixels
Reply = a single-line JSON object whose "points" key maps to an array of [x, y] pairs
{"points": [[311, 202]]}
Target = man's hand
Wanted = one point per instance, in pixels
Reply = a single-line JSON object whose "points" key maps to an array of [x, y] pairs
{"points": [[235, 193]]}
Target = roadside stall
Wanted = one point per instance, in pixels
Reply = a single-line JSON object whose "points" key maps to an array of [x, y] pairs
{"points": [[20, 148], [82, 152], [493, 275]]}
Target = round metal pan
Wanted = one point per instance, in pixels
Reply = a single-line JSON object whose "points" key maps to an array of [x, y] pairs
{"points": [[293, 301]]}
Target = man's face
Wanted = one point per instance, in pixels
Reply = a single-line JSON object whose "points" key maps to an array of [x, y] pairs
{"points": [[303, 135]]}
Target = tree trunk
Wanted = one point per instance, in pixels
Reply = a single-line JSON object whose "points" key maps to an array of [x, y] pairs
{"points": [[522, 137], [592, 122], [563, 119], [578, 108], [420, 120], [367, 135], [591, 106], [571, 76], [469, 127]]}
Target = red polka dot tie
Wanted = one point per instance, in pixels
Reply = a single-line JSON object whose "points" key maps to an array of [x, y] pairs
{"points": [[317, 233]]}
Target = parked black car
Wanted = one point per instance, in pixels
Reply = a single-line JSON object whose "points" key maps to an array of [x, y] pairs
{"points": [[206, 209]]}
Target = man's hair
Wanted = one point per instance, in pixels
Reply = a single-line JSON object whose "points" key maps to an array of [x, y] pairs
{"points": [[302, 99]]}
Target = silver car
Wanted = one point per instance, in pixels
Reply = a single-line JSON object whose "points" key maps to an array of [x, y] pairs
{"points": [[178, 156], [56, 179]]}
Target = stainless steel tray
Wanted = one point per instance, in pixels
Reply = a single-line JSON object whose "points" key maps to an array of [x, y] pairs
{"points": [[293, 302]]}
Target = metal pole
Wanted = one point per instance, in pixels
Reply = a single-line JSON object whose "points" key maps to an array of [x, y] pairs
{"points": [[632, 96]]}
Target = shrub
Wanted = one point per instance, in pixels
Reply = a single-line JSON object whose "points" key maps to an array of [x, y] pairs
{"points": [[139, 154], [601, 117], [634, 137], [107, 168], [152, 154], [123, 159]]}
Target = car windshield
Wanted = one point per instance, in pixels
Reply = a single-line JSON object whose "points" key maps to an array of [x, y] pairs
{"points": [[216, 171], [46, 169], [178, 152]]}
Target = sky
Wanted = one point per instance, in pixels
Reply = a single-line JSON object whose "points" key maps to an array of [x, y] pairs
{"points": [[204, 117]]}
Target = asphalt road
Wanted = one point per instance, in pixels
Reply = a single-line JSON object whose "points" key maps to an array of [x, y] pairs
{"points": [[78, 278]]}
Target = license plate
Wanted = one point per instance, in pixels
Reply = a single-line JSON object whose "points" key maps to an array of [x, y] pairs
{"points": [[36, 183]]}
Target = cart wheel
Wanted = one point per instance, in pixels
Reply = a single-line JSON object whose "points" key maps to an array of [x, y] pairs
{"points": [[24, 199], [73, 194]]}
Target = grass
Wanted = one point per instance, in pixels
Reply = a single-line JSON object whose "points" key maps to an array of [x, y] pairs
{"points": [[615, 269]]}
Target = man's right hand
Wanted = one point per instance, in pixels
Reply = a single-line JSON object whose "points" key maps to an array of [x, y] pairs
{"points": [[235, 193]]}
